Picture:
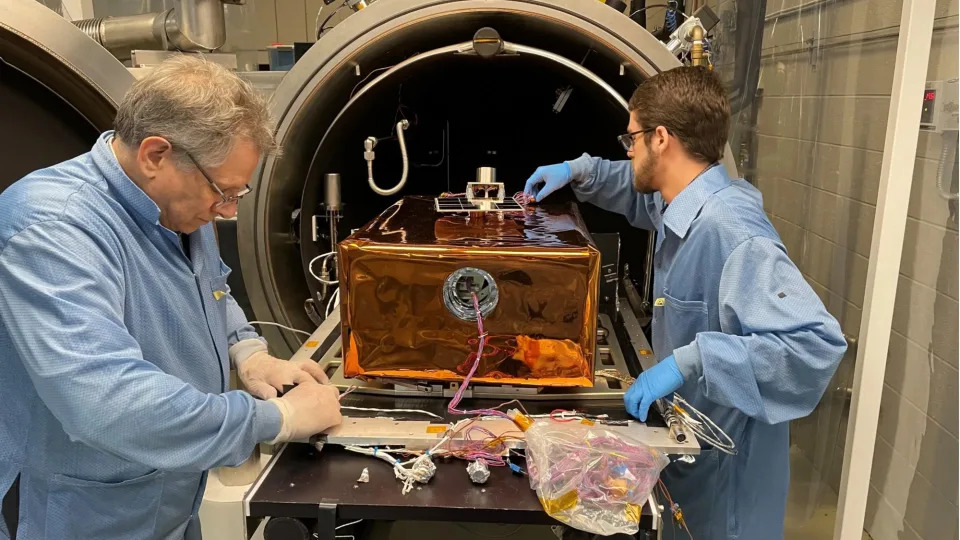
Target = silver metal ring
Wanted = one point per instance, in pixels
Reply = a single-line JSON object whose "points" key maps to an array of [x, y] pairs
{"points": [[459, 285]]}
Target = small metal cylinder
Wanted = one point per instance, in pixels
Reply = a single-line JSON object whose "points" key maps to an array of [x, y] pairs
{"points": [[696, 51], [331, 191], [673, 423], [486, 175]]}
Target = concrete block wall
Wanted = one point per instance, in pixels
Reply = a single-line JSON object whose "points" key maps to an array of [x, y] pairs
{"points": [[826, 75]]}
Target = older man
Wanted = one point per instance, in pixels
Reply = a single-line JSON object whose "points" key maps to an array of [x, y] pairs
{"points": [[117, 328]]}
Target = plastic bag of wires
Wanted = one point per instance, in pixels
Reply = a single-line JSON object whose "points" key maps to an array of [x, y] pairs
{"points": [[590, 477]]}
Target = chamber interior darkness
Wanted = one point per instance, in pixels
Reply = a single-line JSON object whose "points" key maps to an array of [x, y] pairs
{"points": [[467, 112], [41, 128]]}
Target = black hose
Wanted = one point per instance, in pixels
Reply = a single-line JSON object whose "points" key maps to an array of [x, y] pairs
{"points": [[651, 6], [323, 25], [639, 16], [746, 76]]}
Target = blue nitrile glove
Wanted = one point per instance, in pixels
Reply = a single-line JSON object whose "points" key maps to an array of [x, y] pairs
{"points": [[550, 177], [659, 381]]}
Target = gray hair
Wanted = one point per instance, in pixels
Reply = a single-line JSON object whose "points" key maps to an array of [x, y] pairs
{"points": [[199, 107]]}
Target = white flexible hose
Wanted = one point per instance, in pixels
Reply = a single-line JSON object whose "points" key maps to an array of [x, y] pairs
{"points": [[368, 155], [333, 302], [945, 167], [315, 276]]}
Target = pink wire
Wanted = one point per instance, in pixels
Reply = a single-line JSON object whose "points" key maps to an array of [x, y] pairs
{"points": [[522, 198], [452, 407], [349, 390]]}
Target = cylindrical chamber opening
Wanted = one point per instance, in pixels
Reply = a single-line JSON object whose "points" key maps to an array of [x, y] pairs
{"points": [[56, 131], [58, 89], [512, 113]]}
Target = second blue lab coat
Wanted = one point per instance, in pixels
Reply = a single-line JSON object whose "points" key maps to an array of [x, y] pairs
{"points": [[753, 341]]}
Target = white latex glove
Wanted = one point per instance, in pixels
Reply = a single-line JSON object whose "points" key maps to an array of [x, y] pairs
{"points": [[308, 409], [264, 376]]}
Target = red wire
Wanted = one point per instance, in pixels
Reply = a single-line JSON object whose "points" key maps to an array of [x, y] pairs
{"points": [[555, 419]]}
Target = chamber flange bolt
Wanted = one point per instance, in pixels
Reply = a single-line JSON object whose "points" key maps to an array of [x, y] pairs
{"points": [[487, 42]]}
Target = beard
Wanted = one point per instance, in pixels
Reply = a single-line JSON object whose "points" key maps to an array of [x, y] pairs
{"points": [[643, 174]]}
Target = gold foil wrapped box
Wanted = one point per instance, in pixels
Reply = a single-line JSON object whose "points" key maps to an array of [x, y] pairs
{"points": [[407, 286]]}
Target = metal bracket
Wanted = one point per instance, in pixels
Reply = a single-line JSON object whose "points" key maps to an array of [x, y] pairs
{"points": [[147, 58], [326, 528]]}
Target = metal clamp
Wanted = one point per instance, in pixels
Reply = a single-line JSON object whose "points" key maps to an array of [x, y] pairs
{"points": [[326, 527]]}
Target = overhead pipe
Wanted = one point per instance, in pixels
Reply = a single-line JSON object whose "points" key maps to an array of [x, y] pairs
{"points": [[197, 25], [193, 25], [122, 34]]}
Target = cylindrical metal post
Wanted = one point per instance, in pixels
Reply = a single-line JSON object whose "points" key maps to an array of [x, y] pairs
{"points": [[486, 175], [331, 191]]}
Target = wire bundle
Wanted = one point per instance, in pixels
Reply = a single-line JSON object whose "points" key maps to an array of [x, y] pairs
{"points": [[490, 448], [612, 464], [590, 477], [421, 471], [452, 407], [706, 429], [523, 199], [674, 508]]}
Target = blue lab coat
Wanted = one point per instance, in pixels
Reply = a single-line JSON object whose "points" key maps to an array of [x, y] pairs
{"points": [[113, 359], [753, 341]]}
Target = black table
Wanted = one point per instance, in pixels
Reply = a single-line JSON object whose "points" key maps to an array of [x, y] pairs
{"points": [[321, 488]]}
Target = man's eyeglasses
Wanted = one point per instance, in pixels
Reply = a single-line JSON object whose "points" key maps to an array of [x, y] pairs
{"points": [[627, 139], [224, 200]]}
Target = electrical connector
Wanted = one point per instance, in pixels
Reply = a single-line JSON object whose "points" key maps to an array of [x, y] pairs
{"points": [[515, 468], [521, 420], [677, 514]]}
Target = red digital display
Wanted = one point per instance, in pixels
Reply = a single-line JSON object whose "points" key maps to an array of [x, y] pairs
{"points": [[930, 96]]}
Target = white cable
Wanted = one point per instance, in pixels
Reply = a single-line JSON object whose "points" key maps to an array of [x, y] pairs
{"points": [[334, 302], [945, 167], [294, 330], [323, 268], [377, 453], [315, 276], [347, 524], [422, 469], [435, 451], [367, 409], [368, 155], [713, 434]]}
